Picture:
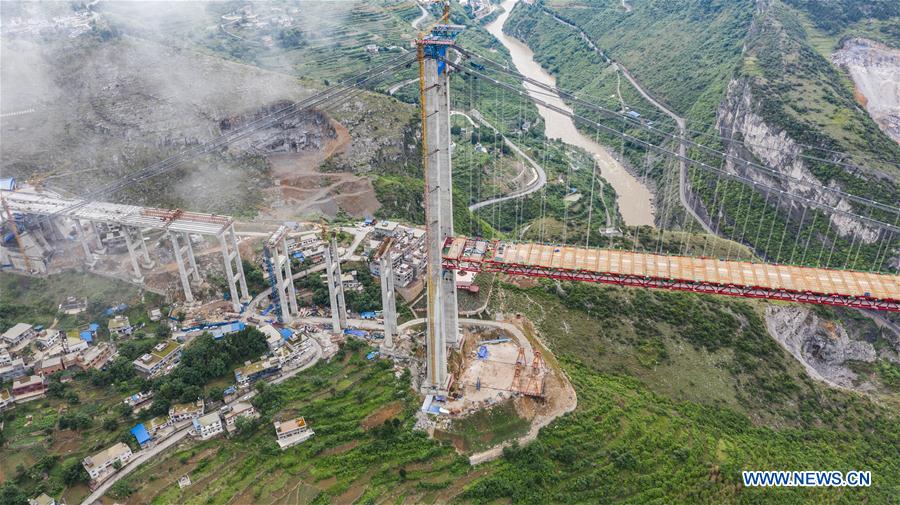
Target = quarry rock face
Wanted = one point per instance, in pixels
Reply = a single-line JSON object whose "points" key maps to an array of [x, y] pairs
{"points": [[822, 347], [296, 134], [756, 141], [875, 70]]}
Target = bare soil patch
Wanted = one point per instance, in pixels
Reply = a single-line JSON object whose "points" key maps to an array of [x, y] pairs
{"points": [[381, 415]]}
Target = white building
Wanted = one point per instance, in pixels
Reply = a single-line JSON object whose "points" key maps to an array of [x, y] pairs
{"points": [[47, 338], [162, 355], [42, 499], [186, 411], [208, 426], [18, 333], [74, 343], [5, 358], [292, 432], [273, 337], [15, 369], [100, 465], [120, 326], [240, 409], [6, 399]]}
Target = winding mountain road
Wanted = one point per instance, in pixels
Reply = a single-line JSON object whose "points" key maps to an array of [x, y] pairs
{"points": [[539, 176], [680, 121]]}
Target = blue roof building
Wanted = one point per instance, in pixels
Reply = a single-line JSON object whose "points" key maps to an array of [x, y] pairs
{"points": [[86, 336], [93, 327], [140, 434], [220, 331], [285, 333]]}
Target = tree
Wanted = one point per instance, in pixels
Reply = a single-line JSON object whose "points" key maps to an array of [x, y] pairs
{"points": [[11, 494], [110, 424], [73, 472]]}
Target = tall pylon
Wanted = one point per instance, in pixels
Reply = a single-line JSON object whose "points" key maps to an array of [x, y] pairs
{"points": [[335, 286], [434, 98]]}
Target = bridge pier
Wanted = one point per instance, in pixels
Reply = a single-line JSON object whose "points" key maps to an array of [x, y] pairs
{"points": [[335, 287], [388, 301]]}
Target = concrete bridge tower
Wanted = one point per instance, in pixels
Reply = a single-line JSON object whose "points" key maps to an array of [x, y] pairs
{"points": [[434, 96]]}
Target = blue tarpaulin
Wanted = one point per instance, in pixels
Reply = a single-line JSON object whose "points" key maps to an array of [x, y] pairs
{"points": [[367, 315], [116, 309], [298, 256], [355, 332], [140, 433], [482, 352], [371, 355], [86, 336], [267, 310], [93, 327], [229, 391], [221, 330]]}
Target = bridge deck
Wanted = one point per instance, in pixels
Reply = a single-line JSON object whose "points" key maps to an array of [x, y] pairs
{"points": [[708, 275], [47, 203]]}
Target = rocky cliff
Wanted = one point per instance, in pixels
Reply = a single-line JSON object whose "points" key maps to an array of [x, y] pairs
{"points": [[749, 137], [875, 70], [826, 348]]}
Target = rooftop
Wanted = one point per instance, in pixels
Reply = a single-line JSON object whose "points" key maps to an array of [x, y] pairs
{"points": [[106, 455], [16, 331], [208, 419], [290, 425]]}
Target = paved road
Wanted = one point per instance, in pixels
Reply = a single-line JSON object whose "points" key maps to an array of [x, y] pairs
{"points": [[140, 458], [358, 236], [418, 20], [143, 456], [539, 176]]}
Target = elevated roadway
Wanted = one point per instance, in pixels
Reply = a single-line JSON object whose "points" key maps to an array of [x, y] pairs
{"points": [[845, 288]]}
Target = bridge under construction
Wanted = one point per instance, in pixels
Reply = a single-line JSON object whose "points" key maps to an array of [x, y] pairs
{"points": [[844, 288]]}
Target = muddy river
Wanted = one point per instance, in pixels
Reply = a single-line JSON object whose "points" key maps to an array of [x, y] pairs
{"points": [[633, 196]]}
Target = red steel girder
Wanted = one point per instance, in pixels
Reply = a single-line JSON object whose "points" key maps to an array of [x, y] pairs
{"points": [[672, 284]]}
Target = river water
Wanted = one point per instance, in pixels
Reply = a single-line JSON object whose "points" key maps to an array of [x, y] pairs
{"points": [[633, 197]]}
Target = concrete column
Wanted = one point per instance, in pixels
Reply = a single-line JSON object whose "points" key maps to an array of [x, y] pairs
{"points": [[289, 279], [148, 263], [132, 253], [239, 266], [179, 260], [195, 272], [338, 283], [96, 238], [449, 303], [229, 273], [277, 271], [388, 300], [335, 287], [435, 341], [85, 245]]}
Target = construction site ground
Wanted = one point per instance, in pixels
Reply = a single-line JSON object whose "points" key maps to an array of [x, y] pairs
{"points": [[494, 401]]}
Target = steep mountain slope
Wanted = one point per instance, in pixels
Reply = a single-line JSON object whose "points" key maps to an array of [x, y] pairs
{"points": [[750, 79]]}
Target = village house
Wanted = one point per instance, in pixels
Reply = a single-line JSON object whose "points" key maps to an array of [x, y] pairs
{"points": [[186, 411], [208, 426], [102, 465], [292, 432], [119, 326], [18, 334], [240, 409], [28, 388], [163, 354]]}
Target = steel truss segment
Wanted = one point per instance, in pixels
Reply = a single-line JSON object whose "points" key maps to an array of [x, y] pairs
{"points": [[459, 255]]}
